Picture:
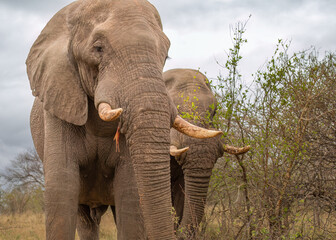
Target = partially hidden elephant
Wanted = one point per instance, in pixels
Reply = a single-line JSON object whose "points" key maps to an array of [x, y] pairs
{"points": [[101, 119], [191, 170]]}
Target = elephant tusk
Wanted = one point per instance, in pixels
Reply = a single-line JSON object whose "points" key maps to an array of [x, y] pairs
{"points": [[108, 114], [191, 130], [234, 150], [177, 152]]}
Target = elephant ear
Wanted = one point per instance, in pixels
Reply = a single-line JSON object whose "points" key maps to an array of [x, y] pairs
{"points": [[52, 73]]}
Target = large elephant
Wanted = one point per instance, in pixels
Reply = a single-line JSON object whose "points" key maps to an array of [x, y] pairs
{"points": [[191, 170], [101, 119]]}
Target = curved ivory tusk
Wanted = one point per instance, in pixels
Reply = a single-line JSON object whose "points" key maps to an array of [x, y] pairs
{"points": [[191, 130], [108, 114], [177, 152], [234, 150]]}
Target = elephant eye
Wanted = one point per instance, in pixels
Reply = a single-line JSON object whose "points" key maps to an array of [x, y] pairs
{"points": [[167, 58], [99, 49]]}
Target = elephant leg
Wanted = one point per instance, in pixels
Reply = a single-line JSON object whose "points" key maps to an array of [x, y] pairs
{"points": [[88, 220], [129, 219], [61, 173], [178, 198], [177, 190]]}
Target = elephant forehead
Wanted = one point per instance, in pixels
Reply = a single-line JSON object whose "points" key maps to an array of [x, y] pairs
{"points": [[134, 8], [91, 11], [117, 23], [185, 78], [201, 100]]}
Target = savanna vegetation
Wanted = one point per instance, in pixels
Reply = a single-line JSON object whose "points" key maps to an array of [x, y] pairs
{"points": [[283, 188]]}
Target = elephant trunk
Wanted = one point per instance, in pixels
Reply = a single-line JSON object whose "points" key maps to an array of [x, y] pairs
{"points": [[152, 170], [196, 189], [145, 122], [148, 138]]}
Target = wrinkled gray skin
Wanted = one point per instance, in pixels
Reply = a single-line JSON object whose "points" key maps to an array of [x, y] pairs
{"points": [[90, 52], [191, 171]]}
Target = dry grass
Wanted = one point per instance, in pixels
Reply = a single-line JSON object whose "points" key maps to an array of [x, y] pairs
{"points": [[30, 226], [306, 223]]}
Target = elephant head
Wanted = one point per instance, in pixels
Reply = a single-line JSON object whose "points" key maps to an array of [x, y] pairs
{"points": [[191, 170], [110, 54]]}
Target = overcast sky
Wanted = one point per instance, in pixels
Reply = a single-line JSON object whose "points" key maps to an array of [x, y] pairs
{"points": [[199, 32]]}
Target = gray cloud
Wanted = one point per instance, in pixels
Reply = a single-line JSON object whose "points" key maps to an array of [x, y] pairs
{"points": [[16, 29], [305, 22], [215, 13], [39, 7]]}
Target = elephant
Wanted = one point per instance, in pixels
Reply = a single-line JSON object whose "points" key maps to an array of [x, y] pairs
{"points": [[191, 170], [101, 119]]}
